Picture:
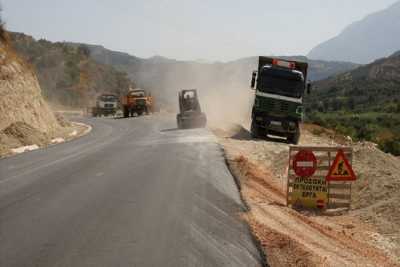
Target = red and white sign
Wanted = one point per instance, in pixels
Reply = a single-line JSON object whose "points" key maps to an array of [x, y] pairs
{"points": [[304, 163], [283, 63], [341, 169]]}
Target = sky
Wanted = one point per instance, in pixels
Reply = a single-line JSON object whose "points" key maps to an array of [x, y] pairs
{"points": [[210, 30]]}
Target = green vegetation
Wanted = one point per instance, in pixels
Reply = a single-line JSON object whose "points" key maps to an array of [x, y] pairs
{"points": [[3, 33], [363, 104], [66, 73]]}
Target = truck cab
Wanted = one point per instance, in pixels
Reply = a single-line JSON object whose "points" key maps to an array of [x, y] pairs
{"points": [[278, 104], [106, 104], [136, 101]]}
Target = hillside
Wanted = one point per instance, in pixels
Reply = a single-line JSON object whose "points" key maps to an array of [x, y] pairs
{"points": [[67, 75], [366, 235], [218, 82], [363, 103], [24, 115], [375, 36], [135, 66]]}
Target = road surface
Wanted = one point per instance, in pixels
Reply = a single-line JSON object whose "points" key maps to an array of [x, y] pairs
{"points": [[133, 192]]}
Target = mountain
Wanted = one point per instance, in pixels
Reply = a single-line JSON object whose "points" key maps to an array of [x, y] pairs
{"points": [[67, 74], [319, 69], [363, 103], [375, 36], [25, 117], [73, 73], [164, 77]]}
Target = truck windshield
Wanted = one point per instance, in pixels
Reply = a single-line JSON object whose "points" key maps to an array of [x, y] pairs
{"points": [[110, 98], [137, 94], [281, 82]]}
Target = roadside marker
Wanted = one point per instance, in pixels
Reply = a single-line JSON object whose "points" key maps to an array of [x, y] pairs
{"points": [[341, 169], [307, 183], [305, 163]]}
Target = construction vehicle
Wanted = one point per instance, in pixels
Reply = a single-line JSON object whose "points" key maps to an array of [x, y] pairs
{"points": [[190, 115], [138, 102], [106, 104], [280, 85]]}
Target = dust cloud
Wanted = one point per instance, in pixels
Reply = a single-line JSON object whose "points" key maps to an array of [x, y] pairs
{"points": [[223, 88]]}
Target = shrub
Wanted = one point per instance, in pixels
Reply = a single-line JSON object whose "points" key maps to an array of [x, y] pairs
{"points": [[391, 146], [3, 33]]}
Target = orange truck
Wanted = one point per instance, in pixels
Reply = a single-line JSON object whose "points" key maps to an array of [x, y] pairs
{"points": [[138, 102]]}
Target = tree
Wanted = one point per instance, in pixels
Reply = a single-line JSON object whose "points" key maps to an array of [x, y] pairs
{"points": [[336, 104], [3, 33], [321, 107], [83, 50], [350, 103]]}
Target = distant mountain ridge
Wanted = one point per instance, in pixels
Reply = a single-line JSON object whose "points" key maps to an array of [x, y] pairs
{"points": [[375, 36], [71, 75], [319, 69], [164, 77]]}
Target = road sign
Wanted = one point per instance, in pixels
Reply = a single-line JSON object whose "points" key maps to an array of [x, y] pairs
{"points": [[305, 163], [341, 169], [311, 193], [316, 191]]}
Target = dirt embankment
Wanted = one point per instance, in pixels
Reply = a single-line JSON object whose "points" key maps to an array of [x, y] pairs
{"points": [[367, 235], [25, 118]]}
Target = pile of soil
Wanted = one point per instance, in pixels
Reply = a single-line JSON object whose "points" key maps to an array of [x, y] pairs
{"points": [[62, 120], [25, 134], [367, 234], [20, 134], [376, 197]]}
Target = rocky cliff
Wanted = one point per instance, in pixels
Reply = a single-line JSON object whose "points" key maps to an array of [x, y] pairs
{"points": [[22, 107]]}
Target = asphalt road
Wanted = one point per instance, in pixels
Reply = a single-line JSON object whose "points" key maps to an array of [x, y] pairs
{"points": [[133, 192]]}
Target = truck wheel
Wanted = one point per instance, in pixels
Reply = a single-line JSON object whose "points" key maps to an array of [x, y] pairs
{"points": [[256, 131], [126, 112], [179, 121], [294, 137]]}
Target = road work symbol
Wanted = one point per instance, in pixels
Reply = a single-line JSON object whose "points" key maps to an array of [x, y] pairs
{"points": [[305, 163], [341, 169]]}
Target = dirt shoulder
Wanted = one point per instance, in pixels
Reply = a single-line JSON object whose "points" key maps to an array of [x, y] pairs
{"points": [[20, 137], [367, 235]]}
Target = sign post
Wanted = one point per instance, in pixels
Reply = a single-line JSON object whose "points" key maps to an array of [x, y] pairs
{"points": [[341, 169], [305, 163], [314, 182]]}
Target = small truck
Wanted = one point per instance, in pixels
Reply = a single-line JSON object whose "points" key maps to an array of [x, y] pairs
{"points": [[280, 85], [106, 104], [190, 115], [136, 101]]}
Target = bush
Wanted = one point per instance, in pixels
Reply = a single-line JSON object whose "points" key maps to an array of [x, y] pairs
{"points": [[391, 146], [3, 34]]}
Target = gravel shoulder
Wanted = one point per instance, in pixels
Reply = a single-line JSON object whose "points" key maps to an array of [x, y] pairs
{"points": [[367, 235], [20, 137]]}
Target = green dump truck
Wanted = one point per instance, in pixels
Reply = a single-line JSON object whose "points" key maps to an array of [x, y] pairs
{"points": [[280, 85]]}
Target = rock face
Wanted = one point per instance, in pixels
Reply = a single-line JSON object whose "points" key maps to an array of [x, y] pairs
{"points": [[376, 36], [20, 95]]}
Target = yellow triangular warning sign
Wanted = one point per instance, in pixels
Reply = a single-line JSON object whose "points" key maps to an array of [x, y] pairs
{"points": [[341, 169]]}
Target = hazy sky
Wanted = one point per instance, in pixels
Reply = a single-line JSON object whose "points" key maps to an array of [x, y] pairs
{"points": [[189, 29]]}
